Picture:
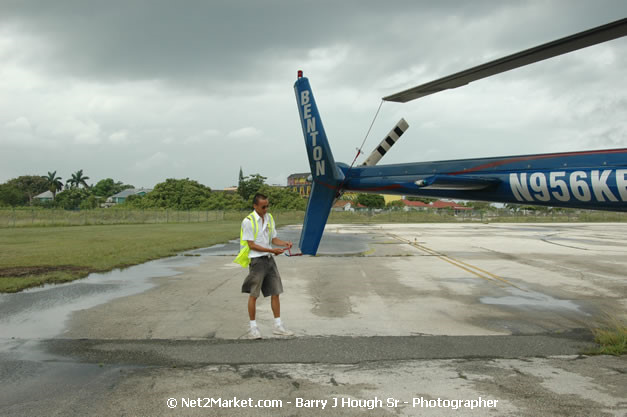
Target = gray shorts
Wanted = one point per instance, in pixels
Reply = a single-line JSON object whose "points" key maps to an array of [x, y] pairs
{"points": [[263, 276]]}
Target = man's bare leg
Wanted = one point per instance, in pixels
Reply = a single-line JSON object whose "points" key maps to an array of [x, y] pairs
{"points": [[276, 306], [252, 310], [276, 310], [252, 307]]}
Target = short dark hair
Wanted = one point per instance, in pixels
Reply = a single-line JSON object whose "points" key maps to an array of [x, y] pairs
{"points": [[258, 197]]}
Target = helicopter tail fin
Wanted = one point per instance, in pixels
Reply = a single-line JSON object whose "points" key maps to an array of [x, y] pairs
{"points": [[321, 162], [319, 207], [326, 176]]}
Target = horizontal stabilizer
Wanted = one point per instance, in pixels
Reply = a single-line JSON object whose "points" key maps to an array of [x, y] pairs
{"points": [[319, 206], [457, 182]]}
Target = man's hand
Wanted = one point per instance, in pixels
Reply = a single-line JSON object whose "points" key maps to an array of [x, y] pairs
{"points": [[286, 244], [277, 251]]}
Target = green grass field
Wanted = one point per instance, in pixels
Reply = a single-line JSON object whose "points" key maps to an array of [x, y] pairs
{"points": [[32, 256], [35, 256]]}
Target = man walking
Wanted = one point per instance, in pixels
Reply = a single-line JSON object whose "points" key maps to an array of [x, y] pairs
{"points": [[257, 235]]}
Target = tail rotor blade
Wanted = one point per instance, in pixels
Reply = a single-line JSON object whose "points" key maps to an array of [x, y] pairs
{"points": [[387, 143]]}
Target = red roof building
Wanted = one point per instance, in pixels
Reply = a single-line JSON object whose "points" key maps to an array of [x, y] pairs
{"points": [[438, 205], [414, 204]]}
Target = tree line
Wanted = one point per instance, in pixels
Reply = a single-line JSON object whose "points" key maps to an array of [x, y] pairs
{"points": [[186, 194], [178, 194], [21, 191]]}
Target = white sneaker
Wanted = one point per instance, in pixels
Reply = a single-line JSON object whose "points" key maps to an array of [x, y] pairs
{"points": [[282, 331], [254, 333]]}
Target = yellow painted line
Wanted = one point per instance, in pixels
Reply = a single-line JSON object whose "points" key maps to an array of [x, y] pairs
{"points": [[369, 252], [466, 267], [472, 266], [451, 261]]}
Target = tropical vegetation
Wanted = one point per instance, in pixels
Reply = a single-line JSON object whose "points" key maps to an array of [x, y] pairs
{"points": [[176, 194], [78, 179], [186, 194], [54, 183]]}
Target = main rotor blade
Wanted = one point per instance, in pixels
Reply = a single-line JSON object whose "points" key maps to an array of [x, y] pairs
{"points": [[561, 46]]}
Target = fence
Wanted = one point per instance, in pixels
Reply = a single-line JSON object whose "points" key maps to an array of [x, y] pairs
{"points": [[495, 215], [58, 217], [33, 217]]}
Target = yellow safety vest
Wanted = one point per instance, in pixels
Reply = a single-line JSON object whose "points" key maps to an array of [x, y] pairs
{"points": [[242, 258]]}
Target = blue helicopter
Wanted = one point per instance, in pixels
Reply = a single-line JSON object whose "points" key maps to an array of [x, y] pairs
{"points": [[588, 180]]}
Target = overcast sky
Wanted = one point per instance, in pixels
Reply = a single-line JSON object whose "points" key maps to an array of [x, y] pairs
{"points": [[142, 91]]}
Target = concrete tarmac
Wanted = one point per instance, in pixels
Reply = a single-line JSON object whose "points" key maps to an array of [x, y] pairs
{"points": [[410, 313]]}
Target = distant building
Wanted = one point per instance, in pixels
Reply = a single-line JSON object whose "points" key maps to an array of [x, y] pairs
{"points": [[436, 205], [299, 183], [123, 195], [345, 205], [414, 205], [391, 197], [229, 190], [45, 196]]}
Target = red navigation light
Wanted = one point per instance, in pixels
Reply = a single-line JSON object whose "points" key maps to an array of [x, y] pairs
{"points": [[300, 74]]}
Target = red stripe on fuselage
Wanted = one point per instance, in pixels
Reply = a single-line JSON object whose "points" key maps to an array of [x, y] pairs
{"points": [[534, 157], [324, 184], [383, 188]]}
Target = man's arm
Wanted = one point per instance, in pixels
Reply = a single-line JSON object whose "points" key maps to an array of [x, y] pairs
{"points": [[279, 242], [253, 246]]}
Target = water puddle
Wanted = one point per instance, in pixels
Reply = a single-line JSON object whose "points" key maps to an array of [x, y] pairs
{"points": [[41, 313]]}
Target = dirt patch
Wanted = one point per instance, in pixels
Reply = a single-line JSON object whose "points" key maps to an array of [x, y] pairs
{"points": [[23, 271]]}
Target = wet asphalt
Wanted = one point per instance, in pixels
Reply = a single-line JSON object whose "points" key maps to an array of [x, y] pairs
{"points": [[43, 373]]}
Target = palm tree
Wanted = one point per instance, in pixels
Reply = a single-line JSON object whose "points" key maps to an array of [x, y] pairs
{"points": [[78, 179], [54, 183]]}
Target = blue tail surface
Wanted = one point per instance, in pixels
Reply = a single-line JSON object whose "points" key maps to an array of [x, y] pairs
{"points": [[320, 202], [327, 177]]}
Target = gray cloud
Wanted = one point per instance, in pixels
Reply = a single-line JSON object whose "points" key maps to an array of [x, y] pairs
{"points": [[208, 43], [143, 90]]}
